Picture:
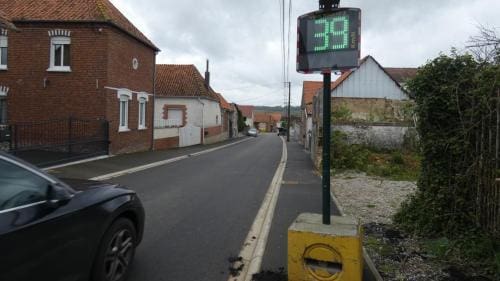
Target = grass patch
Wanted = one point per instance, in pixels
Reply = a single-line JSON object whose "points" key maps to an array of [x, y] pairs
{"points": [[392, 164]]}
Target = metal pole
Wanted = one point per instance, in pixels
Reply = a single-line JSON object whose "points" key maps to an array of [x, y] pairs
{"points": [[289, 118], [327, 5], [327, 78]]}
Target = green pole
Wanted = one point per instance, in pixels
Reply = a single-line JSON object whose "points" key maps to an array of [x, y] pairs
{"points": [[327, 98]]}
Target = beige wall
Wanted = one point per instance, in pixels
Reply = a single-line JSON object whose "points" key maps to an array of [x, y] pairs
{"points": [[373, 110]]}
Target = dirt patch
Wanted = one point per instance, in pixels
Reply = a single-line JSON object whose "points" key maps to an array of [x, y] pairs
{"points": [[267, 275], [236, 266]]}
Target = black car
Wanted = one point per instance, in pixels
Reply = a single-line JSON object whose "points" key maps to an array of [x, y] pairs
{"points": [[64, 230]]}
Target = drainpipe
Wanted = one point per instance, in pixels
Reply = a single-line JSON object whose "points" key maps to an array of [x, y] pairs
{"points": [[202, 120], [154, 106]]}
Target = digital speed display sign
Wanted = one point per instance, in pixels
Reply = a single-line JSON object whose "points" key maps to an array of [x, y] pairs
{"points": [[329, 40]]}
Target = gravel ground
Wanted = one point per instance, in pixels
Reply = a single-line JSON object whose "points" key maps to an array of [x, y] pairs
{"points": [[397, 256], [369, 198]]}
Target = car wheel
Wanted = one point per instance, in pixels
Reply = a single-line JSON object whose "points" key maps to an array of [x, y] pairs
{"points": [[116, 252]]}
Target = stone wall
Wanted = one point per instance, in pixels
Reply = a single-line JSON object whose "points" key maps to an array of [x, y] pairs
{"points": [[381, 135], [372, 110]]}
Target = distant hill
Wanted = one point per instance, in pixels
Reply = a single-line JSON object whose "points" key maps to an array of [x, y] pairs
{"points": [[294, 110]]}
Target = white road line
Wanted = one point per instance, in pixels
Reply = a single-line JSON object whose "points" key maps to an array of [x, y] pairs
{"points": [[253, 249], [77, 162], [161, 163]]}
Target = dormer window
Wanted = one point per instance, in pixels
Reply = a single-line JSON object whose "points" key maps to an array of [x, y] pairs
{"points": [[60, 54], [3, 49]]}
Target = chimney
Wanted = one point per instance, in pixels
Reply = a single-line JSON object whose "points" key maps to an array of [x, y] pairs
{"points": [[207, 76]]}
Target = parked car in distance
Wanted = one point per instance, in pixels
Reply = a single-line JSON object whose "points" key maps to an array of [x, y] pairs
{"points": [[53, 229], [253, 132], [282, 132]]}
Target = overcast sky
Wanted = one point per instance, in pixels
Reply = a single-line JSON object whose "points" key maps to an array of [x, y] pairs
{"points": [[242, 39]]}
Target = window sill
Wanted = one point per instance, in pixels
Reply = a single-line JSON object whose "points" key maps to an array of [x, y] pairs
{"points": [[123, 130], [142, 128], [59, 69], [3, 67], [169, 127]]}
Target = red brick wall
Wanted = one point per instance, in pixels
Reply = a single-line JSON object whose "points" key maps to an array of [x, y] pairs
{"points": [[163, 144], [122, 50], [101, 56], [75, 93], [213, 131]]}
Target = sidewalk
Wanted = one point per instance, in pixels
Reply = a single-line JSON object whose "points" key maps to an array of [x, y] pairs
{"points": [[127, 161], [300, 193]]}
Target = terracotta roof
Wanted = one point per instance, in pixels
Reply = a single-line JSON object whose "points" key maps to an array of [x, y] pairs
{"points": [[246, 110], [401, 75], [181, 81], [5, 21], [267, 117], [71, 11], [223, 103], [309, 90], [276, 116], [261, 117]]}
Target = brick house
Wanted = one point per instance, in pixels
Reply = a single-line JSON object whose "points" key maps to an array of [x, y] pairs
{"points": [[267, 121], [83, 60], [187, 110]]}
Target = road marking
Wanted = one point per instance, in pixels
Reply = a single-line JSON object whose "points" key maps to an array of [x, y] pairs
{"points": [[254, 246], [77, 162], [161, 163]]}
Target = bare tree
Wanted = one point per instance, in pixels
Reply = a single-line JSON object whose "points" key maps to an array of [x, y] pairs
{"points": [[486, 45]]}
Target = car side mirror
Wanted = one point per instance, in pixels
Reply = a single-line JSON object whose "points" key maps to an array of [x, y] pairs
{"points": [[58, 195]]}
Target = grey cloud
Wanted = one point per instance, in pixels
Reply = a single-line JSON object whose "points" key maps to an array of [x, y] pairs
{"points": [[242, 38]]}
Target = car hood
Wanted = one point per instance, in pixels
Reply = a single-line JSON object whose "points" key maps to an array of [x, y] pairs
{"points": [[83, 185]]}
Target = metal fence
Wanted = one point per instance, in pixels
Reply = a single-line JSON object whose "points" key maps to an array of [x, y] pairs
{"points": [[56, 141]]}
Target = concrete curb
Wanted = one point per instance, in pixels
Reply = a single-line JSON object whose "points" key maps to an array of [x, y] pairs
{"points": [[161, 163], [255, 243]]}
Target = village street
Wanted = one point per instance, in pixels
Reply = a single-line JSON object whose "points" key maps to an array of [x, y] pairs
{"points": [[199, 210]]}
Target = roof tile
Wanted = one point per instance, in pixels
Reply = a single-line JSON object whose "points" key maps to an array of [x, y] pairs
{"points": [[181, 81], [71, 10], [246, 110], [223, 103]]}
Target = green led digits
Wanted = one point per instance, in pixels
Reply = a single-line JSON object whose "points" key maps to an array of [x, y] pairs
{"points": [[324, 35], [334, 27]]}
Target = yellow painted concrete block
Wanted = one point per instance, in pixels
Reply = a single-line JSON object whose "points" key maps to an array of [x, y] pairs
{"points": [[318, 252]]}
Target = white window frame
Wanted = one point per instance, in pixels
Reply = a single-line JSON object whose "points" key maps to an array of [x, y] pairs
{"points": [[123, 98], [58, 40], [143, 99], [142, 113], [4, 43]]}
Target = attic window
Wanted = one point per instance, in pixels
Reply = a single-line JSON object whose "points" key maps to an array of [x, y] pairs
{"points": [[3, 49], [60, 53]]}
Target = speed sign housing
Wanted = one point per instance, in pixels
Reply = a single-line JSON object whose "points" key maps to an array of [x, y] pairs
{"points": [[329, 40]]}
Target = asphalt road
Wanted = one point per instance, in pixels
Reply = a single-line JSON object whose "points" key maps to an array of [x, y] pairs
{"points": [[199, 210]]}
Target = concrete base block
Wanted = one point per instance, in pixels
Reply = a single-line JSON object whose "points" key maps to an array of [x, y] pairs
{"points": [[325, 252]]}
